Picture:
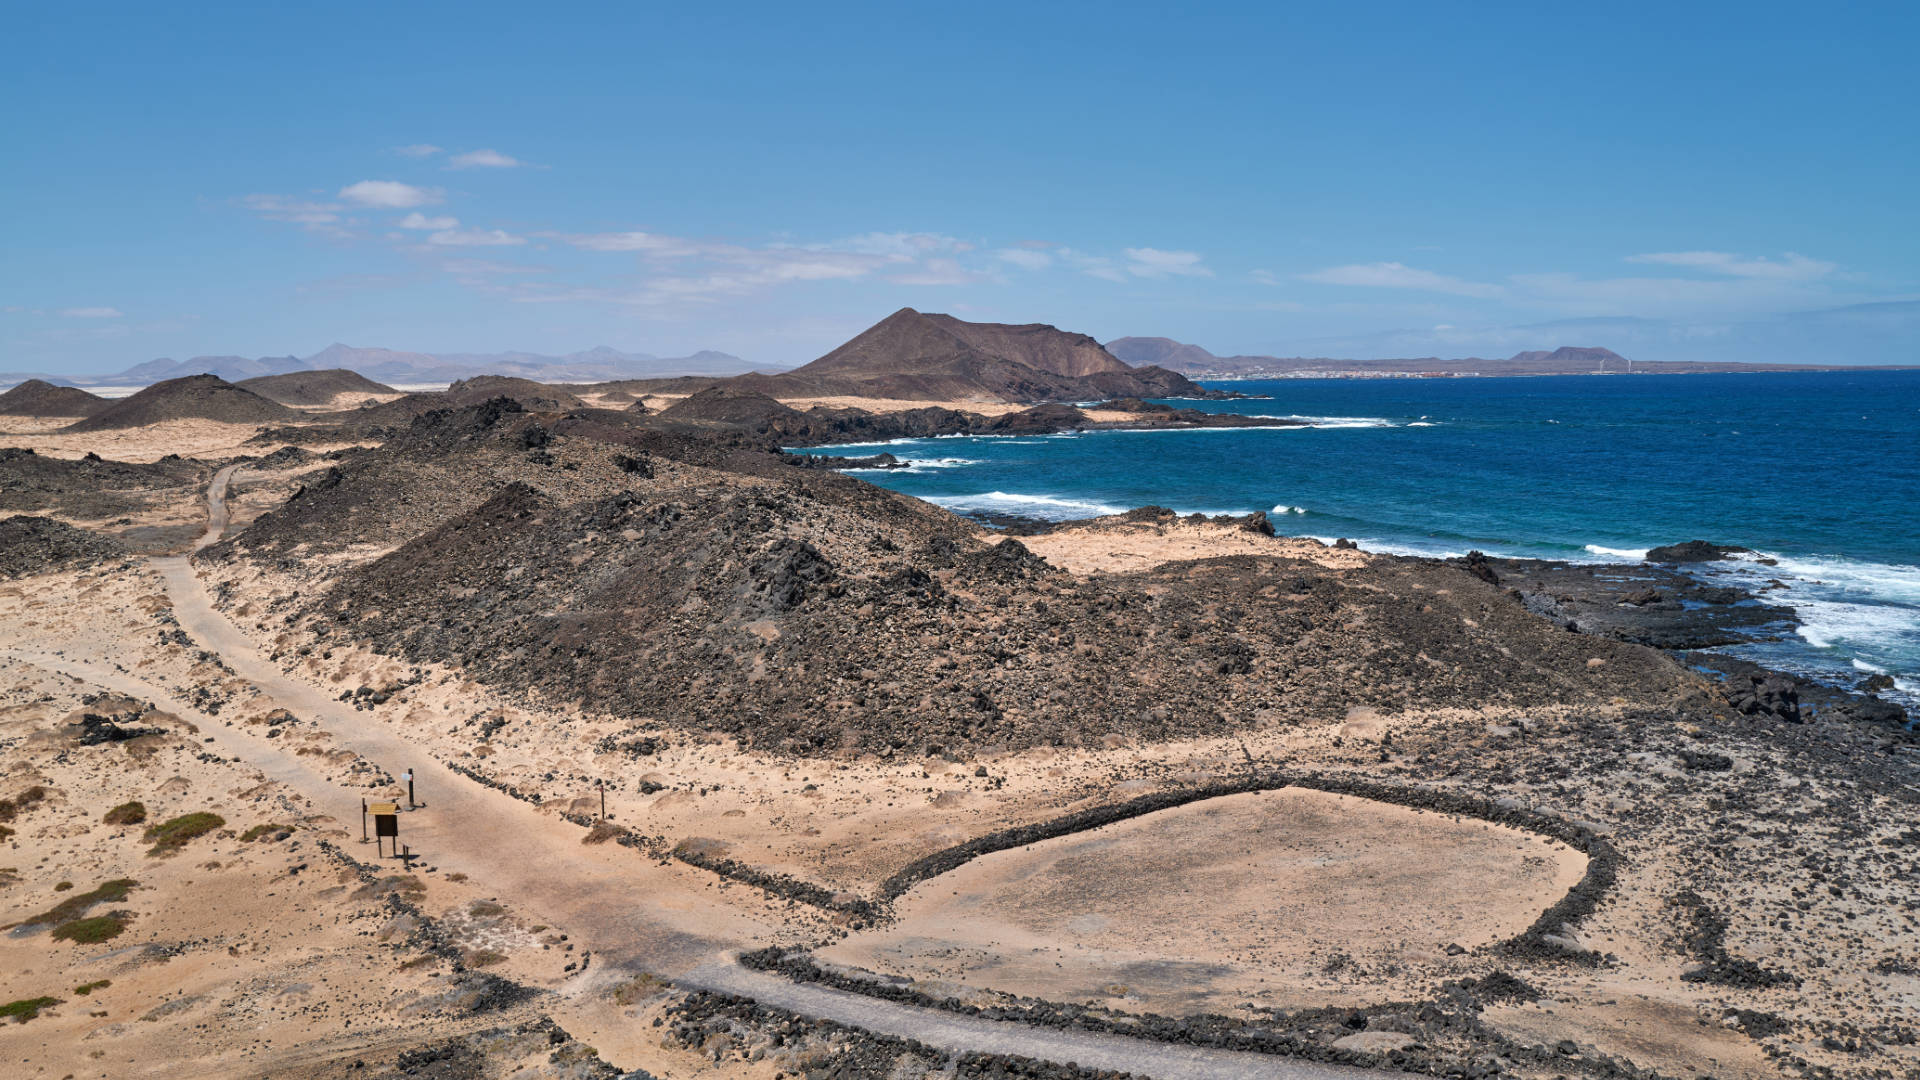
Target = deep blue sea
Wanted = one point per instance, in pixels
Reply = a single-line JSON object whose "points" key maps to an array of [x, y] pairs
{"points": [[1820, 471]]}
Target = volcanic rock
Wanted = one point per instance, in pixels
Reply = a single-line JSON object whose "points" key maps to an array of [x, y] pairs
{"points": [[38, 545], [1693, 551], [1770, 695]]}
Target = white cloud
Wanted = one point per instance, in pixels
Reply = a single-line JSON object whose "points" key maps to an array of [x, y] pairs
{"points": [[1092, 265], [938, 272], [1393, 275], [737, 269], [1790, 267], [475, 238], [1265, 277], [1668, 296], [417, 150], [298, 211], [482, 267], [650, 243], [483, 159], [901, 245], [1025, 258], [389, 194], [91, 313], [418, 220], [1149, 262]]}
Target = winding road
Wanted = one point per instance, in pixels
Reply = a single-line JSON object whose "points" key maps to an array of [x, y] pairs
{"points": [[631, 913]]}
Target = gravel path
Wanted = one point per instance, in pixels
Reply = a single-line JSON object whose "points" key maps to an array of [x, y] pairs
{"points": [[952, 1031]]}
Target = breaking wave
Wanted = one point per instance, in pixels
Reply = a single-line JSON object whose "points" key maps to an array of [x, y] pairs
{"points": [[1048, 507]]}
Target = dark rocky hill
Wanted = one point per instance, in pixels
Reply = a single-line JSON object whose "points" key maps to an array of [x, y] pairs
{"points": [[195, 397], [312, 387], [701, 579], [36, 397]]}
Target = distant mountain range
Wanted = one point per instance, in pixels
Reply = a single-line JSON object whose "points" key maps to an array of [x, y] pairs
{"points": [[1196, 362], [600, 364]]}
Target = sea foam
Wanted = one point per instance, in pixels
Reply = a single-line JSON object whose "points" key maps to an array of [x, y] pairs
{"points": [[1049, 507]]}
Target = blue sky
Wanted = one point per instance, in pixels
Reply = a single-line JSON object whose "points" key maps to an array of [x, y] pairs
{"points": [[1673, 180]]}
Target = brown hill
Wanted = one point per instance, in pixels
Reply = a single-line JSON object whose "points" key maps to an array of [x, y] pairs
{"points": [[910, 354], [312, 387], [195, 397], [1165, 352], [36, 397], [1036, 345]]}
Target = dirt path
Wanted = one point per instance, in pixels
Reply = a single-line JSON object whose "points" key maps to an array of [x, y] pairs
{"points": [[630, 913]]}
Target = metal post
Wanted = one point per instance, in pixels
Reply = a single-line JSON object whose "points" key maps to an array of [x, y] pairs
{"points": [[603, 800], [363, 820]]}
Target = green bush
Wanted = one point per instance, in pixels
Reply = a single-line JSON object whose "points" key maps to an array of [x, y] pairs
{"points": [[27, 1008], [10, 808], [259, 831], [91, 931], [79, 904], [87, 988], [127, 813], [171, 836]]}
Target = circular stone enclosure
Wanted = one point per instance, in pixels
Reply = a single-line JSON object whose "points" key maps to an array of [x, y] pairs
{"points": [[1285, 898]]}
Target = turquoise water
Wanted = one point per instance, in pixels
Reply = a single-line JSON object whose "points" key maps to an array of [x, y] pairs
{"points": [[1821, 471]]}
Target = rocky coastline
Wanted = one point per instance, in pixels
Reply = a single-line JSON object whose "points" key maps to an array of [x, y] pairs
{"points": [[1659, 604]]}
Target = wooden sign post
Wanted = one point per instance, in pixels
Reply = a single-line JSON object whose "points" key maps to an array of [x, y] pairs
{"points": [[386, 823], [363, 821]]}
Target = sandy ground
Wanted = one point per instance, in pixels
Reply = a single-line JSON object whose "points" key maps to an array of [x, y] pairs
{"points": [[33, 425], [1112, 546], [237, 948], [1267, 897], [188, 438], [351, 399]]}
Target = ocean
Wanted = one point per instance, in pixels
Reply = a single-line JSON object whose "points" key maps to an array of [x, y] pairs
{"points": [[1818, 471]]}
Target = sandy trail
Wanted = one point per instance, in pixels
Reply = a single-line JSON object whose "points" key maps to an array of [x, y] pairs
{"points": [[631, 914]]}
